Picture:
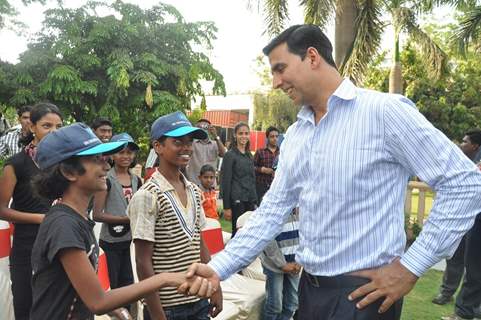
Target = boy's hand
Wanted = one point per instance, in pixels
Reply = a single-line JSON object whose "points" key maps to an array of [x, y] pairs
{"points": [[202, 271], [290, 267], [228, 214], [216, 303]]}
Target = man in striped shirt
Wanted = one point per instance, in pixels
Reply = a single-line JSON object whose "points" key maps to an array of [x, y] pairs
{"points": [[346, 161], [10, 142]]}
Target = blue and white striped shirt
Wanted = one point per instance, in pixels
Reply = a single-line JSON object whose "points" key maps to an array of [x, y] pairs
{"points": [[349, 175]]}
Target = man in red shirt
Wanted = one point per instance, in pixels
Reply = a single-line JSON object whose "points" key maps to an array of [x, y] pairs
{"points": [[263, 161]]}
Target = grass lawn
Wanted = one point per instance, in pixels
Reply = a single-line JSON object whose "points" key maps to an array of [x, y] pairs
{"points": [[418, 305]]}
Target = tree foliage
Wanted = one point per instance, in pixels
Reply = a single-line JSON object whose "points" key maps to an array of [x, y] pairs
{"points": [[452, 103], [132, 65], [271, 107]]}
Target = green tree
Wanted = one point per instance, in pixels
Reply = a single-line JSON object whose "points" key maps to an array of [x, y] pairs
{"points": [[469, 30], [8, 13], [452, 103], [358, 27], [271, 107], [132, 65]]}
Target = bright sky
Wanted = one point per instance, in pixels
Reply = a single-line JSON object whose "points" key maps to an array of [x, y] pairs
{"points": [[239, 38]]}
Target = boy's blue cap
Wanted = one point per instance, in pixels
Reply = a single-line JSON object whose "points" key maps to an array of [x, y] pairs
{"points": [[175, 125], [73, 140], [125, 137]]}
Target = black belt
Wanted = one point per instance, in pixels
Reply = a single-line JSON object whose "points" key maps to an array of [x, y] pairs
{"points": [[341, 281]]}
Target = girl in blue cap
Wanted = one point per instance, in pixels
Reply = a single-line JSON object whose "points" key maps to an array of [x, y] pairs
{"points": [[65, 254], [26, 211], [110, 208]]}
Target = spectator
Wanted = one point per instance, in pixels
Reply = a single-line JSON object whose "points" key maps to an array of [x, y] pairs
{"points": [[347, 162], [205, 151], [264, 162], [238, 177], [65, 255], [467, 256], [282, 272], [166, 217], [10, 143], [27, 210], [102, 127], [110, 208], [209, 195]]}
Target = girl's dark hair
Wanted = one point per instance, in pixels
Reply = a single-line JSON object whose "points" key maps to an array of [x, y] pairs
{"points": [[233, 143], [37, 112], [206, 168], [134, 161], [51, 183]]}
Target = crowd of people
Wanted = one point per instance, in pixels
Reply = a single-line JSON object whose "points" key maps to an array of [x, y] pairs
{"points": [[328, 202]]}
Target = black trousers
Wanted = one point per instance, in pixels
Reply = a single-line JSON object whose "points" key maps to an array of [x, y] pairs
{"points": [[238, 209], [454, 271], [21, 276], [469, 298], [261, 189], [118, 263], [325, 298]]}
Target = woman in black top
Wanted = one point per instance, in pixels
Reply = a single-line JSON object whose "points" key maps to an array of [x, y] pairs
{"points": [[238, 183], [26, 211]]}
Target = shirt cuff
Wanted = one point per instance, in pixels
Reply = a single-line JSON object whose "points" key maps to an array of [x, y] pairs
{"points": [[218, 267], [417, 259]]}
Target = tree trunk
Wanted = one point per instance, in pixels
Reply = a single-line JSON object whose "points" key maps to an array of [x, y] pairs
{"points": [[395, 76], [345, 29]]}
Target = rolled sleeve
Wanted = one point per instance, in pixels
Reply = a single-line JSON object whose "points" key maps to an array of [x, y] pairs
{"points": [[429, 154], [142, 211]]}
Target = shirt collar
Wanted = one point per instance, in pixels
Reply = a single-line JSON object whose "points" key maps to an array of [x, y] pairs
{"points": [[164, 184], [345, 91]]}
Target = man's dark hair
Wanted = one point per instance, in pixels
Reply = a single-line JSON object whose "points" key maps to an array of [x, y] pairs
{"points": [[475, 136], [23, 109], [206, 168], [101, 121], [51, 183], [299, 38], [270, 129]]}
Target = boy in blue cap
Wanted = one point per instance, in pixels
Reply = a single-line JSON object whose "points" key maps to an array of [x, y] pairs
{"points": [[110, 208], [65, 254], [166, 218]]}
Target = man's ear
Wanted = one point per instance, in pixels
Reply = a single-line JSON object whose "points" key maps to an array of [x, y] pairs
{"points": [[314, 57], [67, 175]]}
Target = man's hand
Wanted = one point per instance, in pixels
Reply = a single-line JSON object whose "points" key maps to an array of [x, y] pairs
{"points": [[216, 303], [392, 281], [266, 170], [228, 214], [202, 271]]}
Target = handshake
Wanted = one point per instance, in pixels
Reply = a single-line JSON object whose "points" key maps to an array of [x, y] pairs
{"points": [[202, 281]]}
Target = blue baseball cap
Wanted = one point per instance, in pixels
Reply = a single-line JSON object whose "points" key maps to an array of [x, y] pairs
{"points": [[175, 125], [73, 140], [125, 137]]}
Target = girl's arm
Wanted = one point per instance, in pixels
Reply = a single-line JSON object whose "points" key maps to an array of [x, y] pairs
{"points": [[8, 182], [84, 279], [100, 215]]}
